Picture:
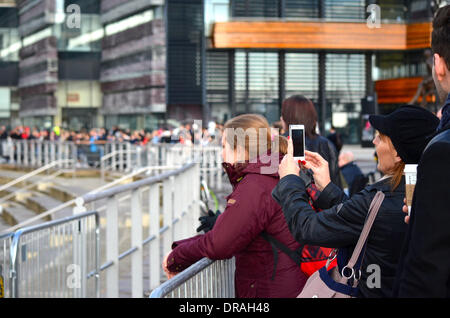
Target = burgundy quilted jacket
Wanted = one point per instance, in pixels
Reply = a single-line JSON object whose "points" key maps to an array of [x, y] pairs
{"points": [[250, 210]]}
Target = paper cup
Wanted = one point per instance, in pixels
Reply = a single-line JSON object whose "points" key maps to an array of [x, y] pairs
{"points": [[410, 184]]}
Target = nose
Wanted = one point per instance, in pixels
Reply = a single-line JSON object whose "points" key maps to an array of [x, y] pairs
{"points": [[375, 140]]}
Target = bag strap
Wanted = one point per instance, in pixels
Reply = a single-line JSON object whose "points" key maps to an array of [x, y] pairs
{"points": [[294, 255], [373, 211]]}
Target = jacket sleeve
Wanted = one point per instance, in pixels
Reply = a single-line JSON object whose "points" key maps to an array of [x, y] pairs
{"points": [[337, 226], [426, 266], [241, 222], [330, 196]]}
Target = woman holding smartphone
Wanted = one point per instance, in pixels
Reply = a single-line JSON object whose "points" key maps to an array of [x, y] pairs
{"points": [[250, 211], [401, 138]]}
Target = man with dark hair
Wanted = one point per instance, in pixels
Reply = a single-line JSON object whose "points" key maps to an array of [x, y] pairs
{"points": [[424, 268]]}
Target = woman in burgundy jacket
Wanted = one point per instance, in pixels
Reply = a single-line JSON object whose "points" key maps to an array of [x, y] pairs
{"points": [[250, 210]]}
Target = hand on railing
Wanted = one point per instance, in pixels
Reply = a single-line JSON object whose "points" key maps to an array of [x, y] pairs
{"points": [[169, 274]]}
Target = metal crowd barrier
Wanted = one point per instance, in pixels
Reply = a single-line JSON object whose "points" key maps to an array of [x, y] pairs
{"points": [[204, 279], [38, 153], [124, 157], [55, 259], [45, 260], [170, 203], [5, 244], [209, 158], [115, 156]]}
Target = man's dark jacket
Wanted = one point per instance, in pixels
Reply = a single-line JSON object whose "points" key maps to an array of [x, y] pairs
{"points": [[424, 269]]}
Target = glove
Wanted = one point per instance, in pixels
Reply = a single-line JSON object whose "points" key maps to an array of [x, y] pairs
{"points": [[306, 176], [207, 222]]}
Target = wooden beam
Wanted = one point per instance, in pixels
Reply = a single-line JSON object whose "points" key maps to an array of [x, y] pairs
{"points": [[419, 35], [320, 35]]}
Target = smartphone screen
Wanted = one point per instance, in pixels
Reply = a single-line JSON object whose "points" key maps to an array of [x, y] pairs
{"points": [[298, 141]]}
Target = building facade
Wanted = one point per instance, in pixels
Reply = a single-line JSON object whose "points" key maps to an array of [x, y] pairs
{"points": [[144, 63], [83, 63], [350, 57]]}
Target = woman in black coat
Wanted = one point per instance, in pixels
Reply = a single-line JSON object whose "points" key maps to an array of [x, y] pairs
{"points": [[400, 140]]}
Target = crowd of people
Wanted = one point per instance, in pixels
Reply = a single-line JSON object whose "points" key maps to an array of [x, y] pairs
{"points": [[276, 223], [183, 134]]}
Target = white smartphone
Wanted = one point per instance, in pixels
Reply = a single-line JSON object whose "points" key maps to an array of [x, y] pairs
{"points": [[297, 135]]}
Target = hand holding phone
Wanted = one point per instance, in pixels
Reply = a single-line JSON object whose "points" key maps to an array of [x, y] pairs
{"points": [[297, 135], [320, 169]]}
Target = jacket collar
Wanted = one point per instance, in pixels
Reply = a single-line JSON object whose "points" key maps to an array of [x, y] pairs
{"points": [[264, 165], [384, 185], [445, 120]]}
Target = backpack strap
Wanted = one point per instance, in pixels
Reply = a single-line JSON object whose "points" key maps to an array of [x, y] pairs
{"points": [[295, 255]]}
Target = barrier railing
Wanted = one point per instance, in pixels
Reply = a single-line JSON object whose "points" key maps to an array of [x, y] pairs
{"points": [[165, 205], [126, 157], [54, 212], [56, 259], [5, 244], [204, 279], [209, 158], [60, 258], [38, 153], [115, 156], [47, 167], [29, 186]]}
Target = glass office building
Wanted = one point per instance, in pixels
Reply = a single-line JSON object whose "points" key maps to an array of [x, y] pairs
{"points": [[260, 52], [144, 63]]}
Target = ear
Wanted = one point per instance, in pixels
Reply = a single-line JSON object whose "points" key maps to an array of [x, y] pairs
{"points": [[397, 158], [440, 67]]}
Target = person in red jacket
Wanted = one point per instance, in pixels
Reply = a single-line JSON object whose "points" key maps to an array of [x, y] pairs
{"points": [[250, 210]]}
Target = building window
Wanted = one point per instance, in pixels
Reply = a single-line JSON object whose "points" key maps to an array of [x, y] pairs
{"points": [[217, 84], [301, 75], [9, 44], [345, 87], [216, 11], [344, 9], [255, 8], [256, 83]]}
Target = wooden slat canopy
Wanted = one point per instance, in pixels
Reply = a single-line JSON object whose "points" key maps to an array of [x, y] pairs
{"points": [[320, 35], [398, 91], [419, 35]]}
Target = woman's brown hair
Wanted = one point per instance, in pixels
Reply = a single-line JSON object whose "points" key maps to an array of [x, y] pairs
{"points": [[299, 110], [249, 123], [397, 171]]}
